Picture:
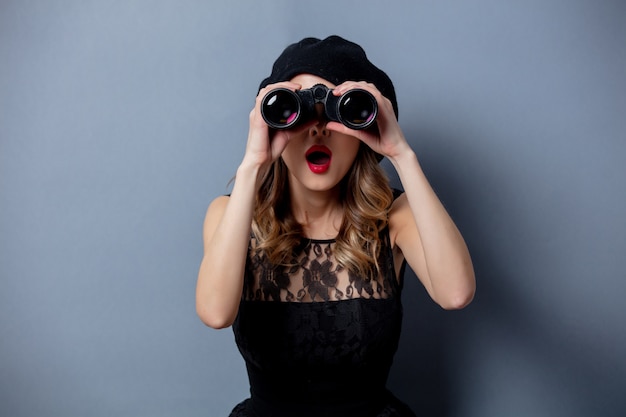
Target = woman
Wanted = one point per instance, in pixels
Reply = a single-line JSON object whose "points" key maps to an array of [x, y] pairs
{"points": [[305, 257]]}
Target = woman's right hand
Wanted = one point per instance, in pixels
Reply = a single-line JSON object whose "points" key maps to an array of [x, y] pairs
{"points": [[265, 145]]}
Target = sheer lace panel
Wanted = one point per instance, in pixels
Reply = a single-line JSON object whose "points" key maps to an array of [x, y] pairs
{"points": [[316, 276]]}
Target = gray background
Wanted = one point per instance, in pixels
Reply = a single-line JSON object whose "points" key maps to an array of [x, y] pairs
{"points": [[121, 120]]}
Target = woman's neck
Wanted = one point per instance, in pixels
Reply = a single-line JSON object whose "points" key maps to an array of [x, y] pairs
{"points": [[319, 212]]}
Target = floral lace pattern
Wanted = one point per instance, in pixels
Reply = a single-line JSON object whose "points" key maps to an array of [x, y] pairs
{"points": [[315, 277]]}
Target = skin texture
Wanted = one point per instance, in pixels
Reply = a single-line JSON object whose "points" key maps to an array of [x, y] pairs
{"points": [[421, 230]]}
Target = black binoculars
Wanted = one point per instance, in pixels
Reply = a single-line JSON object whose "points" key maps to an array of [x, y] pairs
{"points": [[282, 108]]}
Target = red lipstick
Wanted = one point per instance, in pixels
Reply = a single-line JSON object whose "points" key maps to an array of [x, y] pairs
{"points": [[318, 158]]}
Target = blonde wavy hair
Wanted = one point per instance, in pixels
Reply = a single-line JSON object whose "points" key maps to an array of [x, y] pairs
{"points": [[366, 198]]}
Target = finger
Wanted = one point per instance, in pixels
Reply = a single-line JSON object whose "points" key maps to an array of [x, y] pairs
{"points": [[350, 85], [283, 84], [364, 135], [279, 138]]}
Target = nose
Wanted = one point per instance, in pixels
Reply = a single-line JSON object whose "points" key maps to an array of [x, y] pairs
{"points": [[319, 129]]}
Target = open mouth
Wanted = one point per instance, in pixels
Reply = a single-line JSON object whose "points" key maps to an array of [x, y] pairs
{"points": [[318, 158]]}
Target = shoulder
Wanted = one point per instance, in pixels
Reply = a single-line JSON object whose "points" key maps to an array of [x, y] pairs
{"points": [[217, 206], [219, 202], [400, 215], [399, 204], [214, 213]]}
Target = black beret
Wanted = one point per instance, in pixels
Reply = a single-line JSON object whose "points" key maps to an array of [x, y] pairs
{"points": [[334, 59]]}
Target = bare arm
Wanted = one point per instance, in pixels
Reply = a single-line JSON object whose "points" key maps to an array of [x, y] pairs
{"points": [[429, 239], [419, 224], [226, 235], [228, 223]]}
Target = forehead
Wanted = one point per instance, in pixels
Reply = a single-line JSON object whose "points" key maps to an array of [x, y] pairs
{"points": [[309, 80]]}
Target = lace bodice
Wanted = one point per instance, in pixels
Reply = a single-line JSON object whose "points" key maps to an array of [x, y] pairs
{"points": [[315, 276]]}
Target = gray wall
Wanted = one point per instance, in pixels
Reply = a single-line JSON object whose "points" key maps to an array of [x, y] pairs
{"points": [[121, 120]]}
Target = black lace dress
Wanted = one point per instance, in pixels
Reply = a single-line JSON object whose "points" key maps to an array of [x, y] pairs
{"points": [[316, 340]]}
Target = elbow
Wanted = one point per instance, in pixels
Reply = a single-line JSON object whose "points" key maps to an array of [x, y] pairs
{"points": [[214, 320], [217, 323], [459, 298], [458, 301], [460, 294]]}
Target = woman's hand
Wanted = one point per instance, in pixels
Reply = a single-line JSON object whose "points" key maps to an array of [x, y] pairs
{"points": [[388, 140], [265, 145]]}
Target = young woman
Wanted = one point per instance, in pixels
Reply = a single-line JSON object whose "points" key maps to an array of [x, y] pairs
{"points": [[305, 257]]}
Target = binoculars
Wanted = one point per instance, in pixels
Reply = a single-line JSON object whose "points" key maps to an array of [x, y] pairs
{"points": [[282, 108]]}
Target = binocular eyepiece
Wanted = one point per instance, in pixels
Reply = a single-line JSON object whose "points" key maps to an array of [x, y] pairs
{"points": [[282, 108]]}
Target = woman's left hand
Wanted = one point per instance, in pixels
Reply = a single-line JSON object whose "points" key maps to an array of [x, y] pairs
{"points": [[387, 139]]}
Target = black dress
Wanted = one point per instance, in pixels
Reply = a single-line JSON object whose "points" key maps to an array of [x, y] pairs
{"points": [[317, 340]]}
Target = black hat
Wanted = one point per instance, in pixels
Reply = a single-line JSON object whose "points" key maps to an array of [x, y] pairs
{"points": [[334, 59]]}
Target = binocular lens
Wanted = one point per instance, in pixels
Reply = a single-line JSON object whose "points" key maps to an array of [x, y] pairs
{"points": [[280, 108], [357, 109]]}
